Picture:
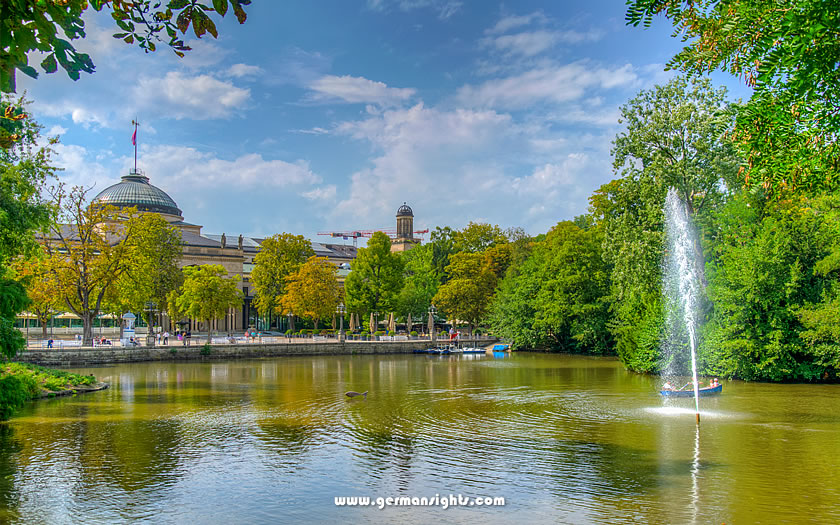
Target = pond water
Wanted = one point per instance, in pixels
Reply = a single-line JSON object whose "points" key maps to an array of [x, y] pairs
{"points": [[563, 439]]}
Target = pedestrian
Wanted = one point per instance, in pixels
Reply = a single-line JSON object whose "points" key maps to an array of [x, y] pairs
{"points": [[188, 336], [166, 337], [451, 333], [50, 343]]}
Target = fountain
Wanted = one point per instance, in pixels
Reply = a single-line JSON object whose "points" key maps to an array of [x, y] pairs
{"points": [[682, 291]]}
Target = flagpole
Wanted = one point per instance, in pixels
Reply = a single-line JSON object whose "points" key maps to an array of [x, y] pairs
{"points": [[134, 142]]}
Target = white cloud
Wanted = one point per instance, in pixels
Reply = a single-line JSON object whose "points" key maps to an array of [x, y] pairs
{"points": [[326, 193], [439, 158], [243, 70], [56, 131], [512, 22], [185, 167], [547, 84], [181, 96], [357, 90], [524, 44], [445, 8]]}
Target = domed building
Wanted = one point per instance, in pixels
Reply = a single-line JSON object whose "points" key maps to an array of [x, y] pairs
{"points": [[134, 190], [235, 253], [404, 239]]}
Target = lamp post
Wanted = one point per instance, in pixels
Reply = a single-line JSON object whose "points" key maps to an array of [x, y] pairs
{"points": [[432, 312], [340, 311]]}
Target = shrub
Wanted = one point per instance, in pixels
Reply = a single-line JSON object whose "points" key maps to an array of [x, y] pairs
{"points": [[289, 332], [413, 333], [12, 396], [325, 332], [173, 350], [205, 349], [378, 333]]}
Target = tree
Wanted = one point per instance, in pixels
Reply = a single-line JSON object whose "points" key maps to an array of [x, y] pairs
{"points": [[571, 305], [42, 289], [513, 310], [443, 245], [675, 133], [478, 236], [786, 51], [31, 27], [673, 139], [151, 259], [773, 284], [24, 169], [208, 293], [421, 282], [87, 250], [469, 291], [376, 279], [280, 256], [312, 291]]}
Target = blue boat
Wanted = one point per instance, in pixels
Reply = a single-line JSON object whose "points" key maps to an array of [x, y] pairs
{"points": [[500, 348], [708, 391]]}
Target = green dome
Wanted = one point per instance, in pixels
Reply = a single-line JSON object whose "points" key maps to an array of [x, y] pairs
{"points": [[134, 190]]}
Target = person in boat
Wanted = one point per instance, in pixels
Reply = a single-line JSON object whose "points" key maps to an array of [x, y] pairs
{"points": [[667, 386]]}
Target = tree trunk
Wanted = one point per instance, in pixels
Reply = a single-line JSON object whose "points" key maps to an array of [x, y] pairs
{"points": [[208, 331], [87, 329]]}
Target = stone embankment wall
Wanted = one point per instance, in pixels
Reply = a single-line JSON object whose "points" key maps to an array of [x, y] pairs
{"points": [[103, 355]]}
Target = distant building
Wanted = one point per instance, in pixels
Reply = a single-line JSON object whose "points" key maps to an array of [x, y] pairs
{"points": [[404, 240], [235, 253]]}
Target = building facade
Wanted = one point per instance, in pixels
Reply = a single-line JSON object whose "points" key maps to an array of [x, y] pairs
{"points": [[234, 252]]}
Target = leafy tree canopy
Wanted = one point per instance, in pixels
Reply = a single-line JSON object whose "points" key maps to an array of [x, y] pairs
{"points": [[280, 256], [312, 291], [208, 293], [48, 26], [788, 52], [376, 279]]}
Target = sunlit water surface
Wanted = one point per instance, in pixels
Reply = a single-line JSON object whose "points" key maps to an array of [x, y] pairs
{"points": [[563, 439]]}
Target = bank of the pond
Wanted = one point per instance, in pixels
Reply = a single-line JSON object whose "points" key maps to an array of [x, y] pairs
{"points": [[21, 382], [109, 355]]}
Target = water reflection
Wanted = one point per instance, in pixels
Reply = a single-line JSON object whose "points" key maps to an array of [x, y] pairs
{"points": [[562, 438]]}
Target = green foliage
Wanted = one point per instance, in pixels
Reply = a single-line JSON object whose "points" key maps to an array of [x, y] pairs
{"points": [[312, 291], [280, 256], [12, 396], [376, 279], [208, 293], [772, 303], [153, 250], [24, 170], [206, 349], [557, 297], [673, 138], [47, 26], [20, 382], [468, 293], [413, 333], [787, 52], [421, 282]]}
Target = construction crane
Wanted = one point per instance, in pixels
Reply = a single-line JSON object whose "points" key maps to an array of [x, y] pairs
{"points": [[355, 234]]}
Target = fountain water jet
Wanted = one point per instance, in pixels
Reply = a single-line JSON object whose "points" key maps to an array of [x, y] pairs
{"points": [[682, 284]]}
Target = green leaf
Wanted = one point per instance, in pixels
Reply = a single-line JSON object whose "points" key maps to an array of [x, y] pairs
{"points": [[221, 6], [49, 64]]}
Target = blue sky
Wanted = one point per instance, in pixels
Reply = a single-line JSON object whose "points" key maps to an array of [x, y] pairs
{"points": [[328, 115]]}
